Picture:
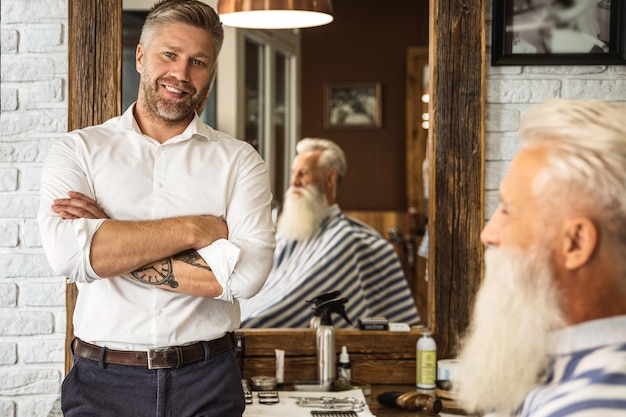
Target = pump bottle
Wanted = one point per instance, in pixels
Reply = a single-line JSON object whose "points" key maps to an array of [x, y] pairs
{"points": [[426, 355], [326, 339]]}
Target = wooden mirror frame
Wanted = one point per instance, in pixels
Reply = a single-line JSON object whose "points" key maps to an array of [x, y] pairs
{"points": [[456, 141]]}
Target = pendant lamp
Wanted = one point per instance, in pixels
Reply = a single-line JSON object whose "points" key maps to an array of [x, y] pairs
{"points": [[275, 14]]}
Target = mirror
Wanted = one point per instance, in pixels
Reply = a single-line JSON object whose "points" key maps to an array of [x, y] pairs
{"points": [[388, 197], [456, 141]]}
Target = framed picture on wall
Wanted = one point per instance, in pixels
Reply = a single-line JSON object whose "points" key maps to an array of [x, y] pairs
{"points": [[558, 32], [352, 105]]}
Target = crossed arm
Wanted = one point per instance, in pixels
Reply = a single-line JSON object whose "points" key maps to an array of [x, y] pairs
{"points": [[159, 252]]}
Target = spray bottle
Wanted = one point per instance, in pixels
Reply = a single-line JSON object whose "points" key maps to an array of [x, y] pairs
{"points": [[326, 353], [316, 301]]}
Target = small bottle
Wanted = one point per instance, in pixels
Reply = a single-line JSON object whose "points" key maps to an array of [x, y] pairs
{"points": [[344, 373], [426, 355]]}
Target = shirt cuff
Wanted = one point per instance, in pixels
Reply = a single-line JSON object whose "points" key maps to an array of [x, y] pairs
{"points": [[221, 256], [84, 229]]}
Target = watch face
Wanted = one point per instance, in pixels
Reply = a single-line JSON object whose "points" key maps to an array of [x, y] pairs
{"points": [[156, 274]]}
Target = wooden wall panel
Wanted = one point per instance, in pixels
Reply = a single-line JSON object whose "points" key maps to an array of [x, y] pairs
{"points": [[377, 357], [367, 42], [94, 87], [456, 152]]}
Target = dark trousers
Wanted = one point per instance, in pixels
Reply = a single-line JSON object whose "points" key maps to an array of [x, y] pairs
{"points": [[210, 388]]}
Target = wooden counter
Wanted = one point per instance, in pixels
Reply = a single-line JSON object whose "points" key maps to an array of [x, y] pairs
{"points": [[384, 360], [380, 410], [377, 357]]}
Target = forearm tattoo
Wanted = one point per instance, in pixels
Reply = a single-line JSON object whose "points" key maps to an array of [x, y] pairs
{"points": [[158, 273], [162, 273], [192, 258]]}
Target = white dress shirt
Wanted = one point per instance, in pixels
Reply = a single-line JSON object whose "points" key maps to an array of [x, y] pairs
{"points": [[134, 177]]}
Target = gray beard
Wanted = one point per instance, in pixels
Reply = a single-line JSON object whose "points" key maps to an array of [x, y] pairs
{"points": [[168, 110], [507, 349], [303, 214]]}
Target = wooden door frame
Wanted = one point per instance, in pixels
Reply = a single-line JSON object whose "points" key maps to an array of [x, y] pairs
{"points": [[456, 140], [416, 145], [94, 86], [457, 170]]}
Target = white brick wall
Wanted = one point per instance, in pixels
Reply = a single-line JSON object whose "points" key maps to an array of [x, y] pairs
{"points": [[34, 114], [512, 89]]}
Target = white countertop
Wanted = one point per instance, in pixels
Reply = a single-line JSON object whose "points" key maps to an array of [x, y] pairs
{"points": [[287, 405]]}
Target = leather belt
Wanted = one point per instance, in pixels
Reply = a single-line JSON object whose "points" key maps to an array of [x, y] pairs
{"points": [[157, 358]]}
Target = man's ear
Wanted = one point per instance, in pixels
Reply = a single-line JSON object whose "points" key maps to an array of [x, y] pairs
{"points": [[579, 242], [332, 179], [139, 58]]}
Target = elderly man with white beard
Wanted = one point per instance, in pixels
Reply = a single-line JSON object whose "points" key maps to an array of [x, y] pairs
{"points": [[548, 334], [319, 249]]}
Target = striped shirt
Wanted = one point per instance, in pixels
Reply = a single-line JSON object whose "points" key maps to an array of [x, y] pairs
{"points": [[346, 255], [588, 376]]}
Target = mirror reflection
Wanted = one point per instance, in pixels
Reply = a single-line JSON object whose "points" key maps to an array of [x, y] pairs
{"points": [[283, 100], [320, 250]]}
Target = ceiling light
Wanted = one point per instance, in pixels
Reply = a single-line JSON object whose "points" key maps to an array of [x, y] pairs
{"points": [[275, 14]]}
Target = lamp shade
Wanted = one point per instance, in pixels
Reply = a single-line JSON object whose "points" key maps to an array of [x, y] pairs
{"points": [[275, 14]]}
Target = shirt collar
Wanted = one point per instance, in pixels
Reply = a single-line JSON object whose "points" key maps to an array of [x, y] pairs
{"points": [[195, 129], [589, 335], [333, 210]]}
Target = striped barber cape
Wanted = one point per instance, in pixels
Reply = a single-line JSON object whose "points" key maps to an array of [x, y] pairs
{"points": [[346, 255], [588, 374]]}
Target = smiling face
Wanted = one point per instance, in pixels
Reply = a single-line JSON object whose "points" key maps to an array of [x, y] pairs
{"points": [[176, 67]]}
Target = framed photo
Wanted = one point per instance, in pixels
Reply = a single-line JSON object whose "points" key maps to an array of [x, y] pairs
{"points": [[559, 32], [352, 105]]}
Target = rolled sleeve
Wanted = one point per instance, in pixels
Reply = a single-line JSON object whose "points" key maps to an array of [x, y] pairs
{"points": [[222, 256], [66, 242], [250, 226], [84, 229], [67, 246]]}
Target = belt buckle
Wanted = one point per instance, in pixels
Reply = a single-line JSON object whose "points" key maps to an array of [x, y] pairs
{"points": [[154, 363]]}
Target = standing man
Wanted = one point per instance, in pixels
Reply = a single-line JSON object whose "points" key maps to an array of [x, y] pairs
{"points": [[164, 224], [319, 249], [548, 336]]}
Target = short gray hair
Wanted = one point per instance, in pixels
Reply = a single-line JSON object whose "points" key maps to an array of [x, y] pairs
{"points": [[192, 12], [588, 166], [332, 156]]}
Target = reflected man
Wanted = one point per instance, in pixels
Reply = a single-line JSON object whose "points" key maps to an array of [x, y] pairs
{"points": [[319, 249], [548, 336]]}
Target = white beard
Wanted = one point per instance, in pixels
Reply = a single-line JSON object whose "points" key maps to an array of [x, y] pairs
{"points": [[302, 214], [506, 351]]}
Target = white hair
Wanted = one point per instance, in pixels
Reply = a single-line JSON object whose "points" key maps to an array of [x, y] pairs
{"points": [[587, 163], [332, 156]]}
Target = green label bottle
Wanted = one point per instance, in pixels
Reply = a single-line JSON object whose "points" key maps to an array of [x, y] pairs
{"points": [[426, 358]]}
